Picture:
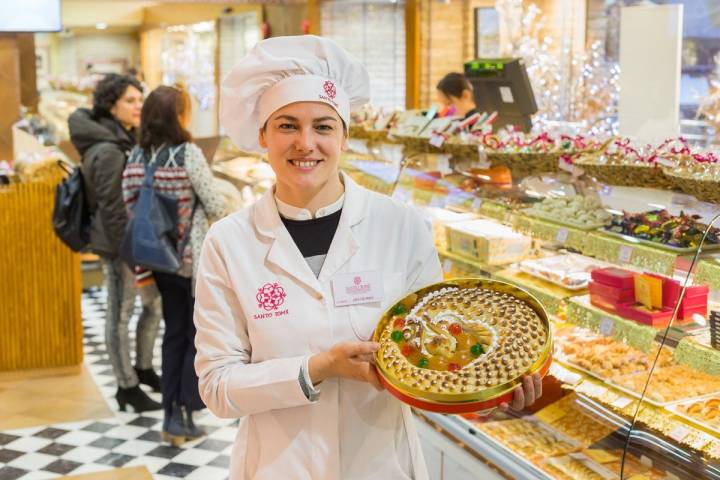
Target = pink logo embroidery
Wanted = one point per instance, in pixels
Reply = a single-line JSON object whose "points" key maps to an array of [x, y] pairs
{"points": [[357, 280], [330, 90], [270, 296]]}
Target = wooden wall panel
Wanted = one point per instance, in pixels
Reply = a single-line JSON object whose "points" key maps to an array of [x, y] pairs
{"points": [[40, 287], [9, 92]]}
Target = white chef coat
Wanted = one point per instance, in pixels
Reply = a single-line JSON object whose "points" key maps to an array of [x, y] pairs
{"points": [[250, 347]]}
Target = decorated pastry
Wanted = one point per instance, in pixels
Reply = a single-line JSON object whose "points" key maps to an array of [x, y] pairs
{"points": [[463, 340], [707, 411], [672, 383]]}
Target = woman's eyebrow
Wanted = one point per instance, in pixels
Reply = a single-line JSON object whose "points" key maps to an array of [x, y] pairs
{"points": [[287, 117], [324, 119]]}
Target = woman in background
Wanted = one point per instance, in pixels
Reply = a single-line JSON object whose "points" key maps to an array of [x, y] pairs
{"points": [[455, 94], [182, 173]]}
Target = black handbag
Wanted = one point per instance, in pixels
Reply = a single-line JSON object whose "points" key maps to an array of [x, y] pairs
{"points": [[71, 214]]}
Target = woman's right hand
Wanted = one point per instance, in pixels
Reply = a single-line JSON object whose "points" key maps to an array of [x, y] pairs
{"points": [[353, 360]]}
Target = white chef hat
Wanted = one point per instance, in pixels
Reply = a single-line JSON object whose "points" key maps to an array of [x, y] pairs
{"points": [[284, 70]]}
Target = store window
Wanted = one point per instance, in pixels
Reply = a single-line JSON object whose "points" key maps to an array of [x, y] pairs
{"points": [[374, 32]]}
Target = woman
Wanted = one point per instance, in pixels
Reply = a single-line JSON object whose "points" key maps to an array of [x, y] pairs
{"points": [[104, 136], [274, 347], [183, 174], [455, 93]]}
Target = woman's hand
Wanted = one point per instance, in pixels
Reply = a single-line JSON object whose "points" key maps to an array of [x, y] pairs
{"points": [[527, 394], [353, 360]]}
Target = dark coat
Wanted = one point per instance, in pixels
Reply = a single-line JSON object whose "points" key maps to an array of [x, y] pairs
{"points": [[104, 145]]}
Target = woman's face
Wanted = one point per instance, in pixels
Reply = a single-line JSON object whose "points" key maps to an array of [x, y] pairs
{"points": [[127, 108], [304, 141]]}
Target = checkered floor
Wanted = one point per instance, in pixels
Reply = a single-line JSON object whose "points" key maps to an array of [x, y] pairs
{"points": [[125, 440]]}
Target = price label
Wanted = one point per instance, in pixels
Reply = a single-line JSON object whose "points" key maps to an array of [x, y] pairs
{"points": [[437, 201], [447, 265], [562, 235], [593, 389], [607, 326], [437, 140], [476, 204], [621, 402], [704, 439], [482, 158], [626, 253], [679, 433], [565, 375]]}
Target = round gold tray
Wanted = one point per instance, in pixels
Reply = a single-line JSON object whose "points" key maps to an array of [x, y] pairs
{"points": [[482, 398]]}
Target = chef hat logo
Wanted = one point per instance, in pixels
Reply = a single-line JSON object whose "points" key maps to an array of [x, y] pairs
{"points": [[270, 296], [330, 90], [357, 280]]}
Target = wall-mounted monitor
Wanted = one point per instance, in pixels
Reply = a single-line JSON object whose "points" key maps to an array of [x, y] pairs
{"points": [[30, 16]]}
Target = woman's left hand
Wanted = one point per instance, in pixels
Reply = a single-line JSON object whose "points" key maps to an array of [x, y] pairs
{"points": [[527, 394]]}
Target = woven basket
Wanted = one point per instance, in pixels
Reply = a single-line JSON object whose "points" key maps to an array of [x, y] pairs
{"points": [[704, 190], [627, 175]]}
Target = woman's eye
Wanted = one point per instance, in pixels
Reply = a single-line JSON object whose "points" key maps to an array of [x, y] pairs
{"points": [[324, 128], [286, 126]]}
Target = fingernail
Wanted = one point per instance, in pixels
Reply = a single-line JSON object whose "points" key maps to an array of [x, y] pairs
{"points": [[375, 346]]}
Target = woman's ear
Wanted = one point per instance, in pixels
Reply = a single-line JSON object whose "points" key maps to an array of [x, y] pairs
{"points": [[261, 138], [346, 137]]}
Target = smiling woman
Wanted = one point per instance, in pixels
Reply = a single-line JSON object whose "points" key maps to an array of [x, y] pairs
{"points": [[314, 237]]}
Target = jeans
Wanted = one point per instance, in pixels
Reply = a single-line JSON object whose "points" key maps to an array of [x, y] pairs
{"points": [[121, 292], [179, 380]]}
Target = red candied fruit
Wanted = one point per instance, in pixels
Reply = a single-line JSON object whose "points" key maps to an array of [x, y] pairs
{"points": [[399, 323], [453, 367], [455, 328], [406, 350]]}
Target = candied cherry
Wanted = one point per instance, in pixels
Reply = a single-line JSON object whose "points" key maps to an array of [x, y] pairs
{"points": [[455, 328], [406, 350], [423, 363], [453, 367], [396, 336], [399, 323], [477, 350]]}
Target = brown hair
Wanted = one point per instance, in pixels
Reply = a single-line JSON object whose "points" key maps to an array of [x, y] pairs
{"points": [[453, 84], [160, 117]]}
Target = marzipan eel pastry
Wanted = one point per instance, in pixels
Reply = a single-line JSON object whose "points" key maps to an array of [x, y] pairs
{"points": [[462, 345]]}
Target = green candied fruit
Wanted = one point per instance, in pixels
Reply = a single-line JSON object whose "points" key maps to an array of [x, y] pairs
{"points": [[423, 363], [399, 309], [477, 350], [396, 336]]}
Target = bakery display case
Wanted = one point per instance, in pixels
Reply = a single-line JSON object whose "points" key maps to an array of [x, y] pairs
{"points": [[634, 387]]}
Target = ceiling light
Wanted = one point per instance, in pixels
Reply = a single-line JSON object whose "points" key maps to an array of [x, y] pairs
{"points": [[101, 26]]}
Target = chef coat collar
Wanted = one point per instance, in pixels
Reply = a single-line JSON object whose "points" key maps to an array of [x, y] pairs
{"points": [[267, 217], [294, 213]]}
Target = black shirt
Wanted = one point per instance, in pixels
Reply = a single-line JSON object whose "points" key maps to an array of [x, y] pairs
{"points": [[313, 237]]}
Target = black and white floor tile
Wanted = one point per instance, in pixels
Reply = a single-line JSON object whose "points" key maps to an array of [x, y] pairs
{"points": [[124, 440]]}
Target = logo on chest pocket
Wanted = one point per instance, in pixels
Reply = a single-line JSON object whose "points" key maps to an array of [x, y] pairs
{"points": [[270, 297]]}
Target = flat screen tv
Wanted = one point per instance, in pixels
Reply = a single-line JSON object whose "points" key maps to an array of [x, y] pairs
{"points": [[30, 16]]}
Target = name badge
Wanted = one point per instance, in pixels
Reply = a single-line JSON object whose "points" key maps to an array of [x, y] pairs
{"points": [[357, 288]]}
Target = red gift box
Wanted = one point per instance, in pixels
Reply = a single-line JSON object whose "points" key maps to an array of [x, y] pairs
{"points": [[638, 313], [614, 277], [603, 303], [611, 294]]}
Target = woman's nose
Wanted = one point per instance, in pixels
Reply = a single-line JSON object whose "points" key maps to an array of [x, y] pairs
{"points": [[304, 142]]}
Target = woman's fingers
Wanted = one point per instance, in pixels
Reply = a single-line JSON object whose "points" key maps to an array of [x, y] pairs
{"points": [[518, 402], [537, 382], [528, 391], [354, 349]]}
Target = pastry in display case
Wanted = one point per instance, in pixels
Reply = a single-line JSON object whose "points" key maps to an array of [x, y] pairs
{"points": [[462, 345], [586, 213], [678, 233], [632, 266], [570, 271], [488, 242]]}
